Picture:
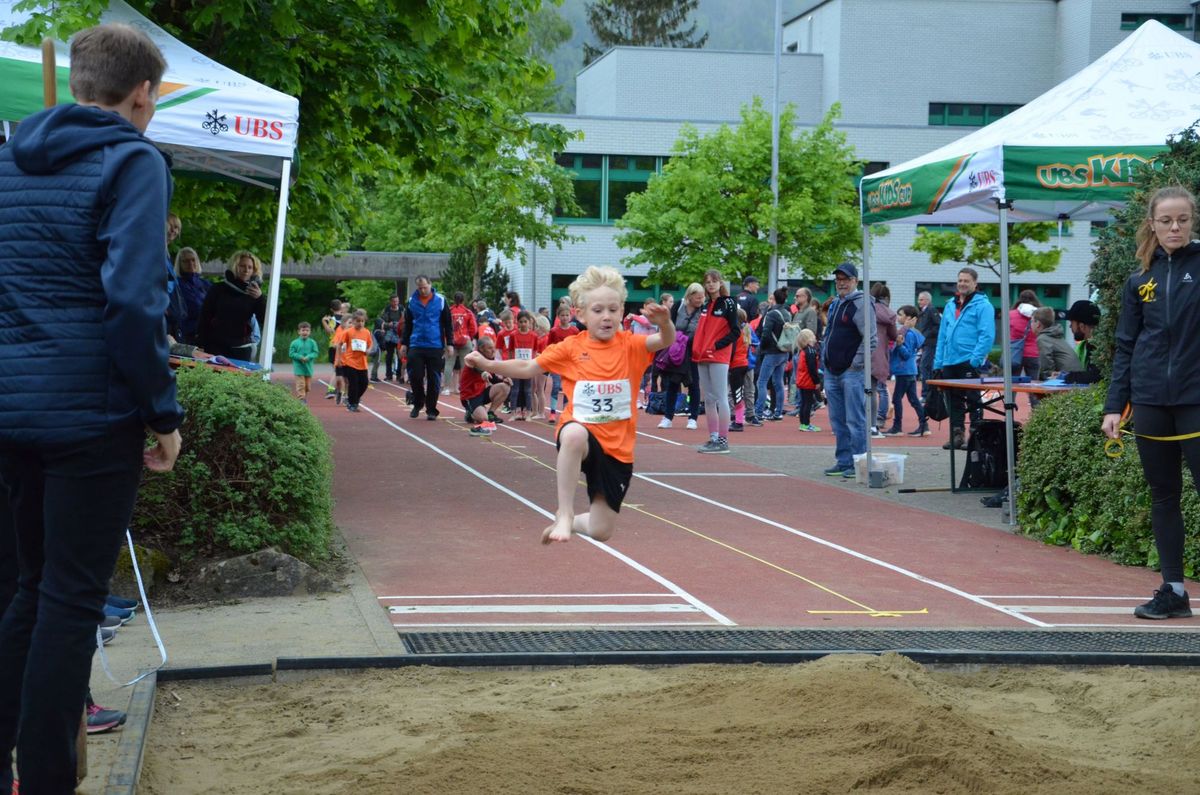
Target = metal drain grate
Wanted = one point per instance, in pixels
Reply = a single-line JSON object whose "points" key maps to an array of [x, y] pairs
{"points": [[1051, 642]]}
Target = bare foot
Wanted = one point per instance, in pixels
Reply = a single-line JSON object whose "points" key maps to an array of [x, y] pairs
{"points": [[559, 531]]}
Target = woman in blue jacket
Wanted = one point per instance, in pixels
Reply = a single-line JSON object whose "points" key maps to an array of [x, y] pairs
{"points": [[966, 337]]}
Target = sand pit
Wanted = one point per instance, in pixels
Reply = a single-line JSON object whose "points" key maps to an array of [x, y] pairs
{"points": [[840, 724]]}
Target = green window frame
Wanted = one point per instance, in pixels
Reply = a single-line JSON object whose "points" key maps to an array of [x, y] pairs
{"points": [[604, 183], [967, 114], [1133, 21]]}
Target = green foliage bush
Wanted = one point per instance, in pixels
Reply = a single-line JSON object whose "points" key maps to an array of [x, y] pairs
{"points": [[1072, 493], [256, 470]]}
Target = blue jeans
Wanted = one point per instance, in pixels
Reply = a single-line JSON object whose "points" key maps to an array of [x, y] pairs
{"points": [[70, 507], [771, 370], [847, 414], [906, 388]]}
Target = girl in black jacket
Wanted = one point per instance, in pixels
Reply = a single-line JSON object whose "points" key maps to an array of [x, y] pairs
{"points": [[1156, 369]]}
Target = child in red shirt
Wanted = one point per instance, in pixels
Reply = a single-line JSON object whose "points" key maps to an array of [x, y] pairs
{"points": [[558, 332], [524, 346], [599, 368], [481, 392]]}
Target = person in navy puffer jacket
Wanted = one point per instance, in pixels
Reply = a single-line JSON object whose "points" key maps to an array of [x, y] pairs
{"points": [[965, 338], [83, 362], [426, 342]]}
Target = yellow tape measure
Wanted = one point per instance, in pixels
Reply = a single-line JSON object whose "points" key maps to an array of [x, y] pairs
{"points": [[1113, 448]]}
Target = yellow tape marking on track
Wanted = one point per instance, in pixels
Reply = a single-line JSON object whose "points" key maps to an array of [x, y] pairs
{"points": [[864, 611]]}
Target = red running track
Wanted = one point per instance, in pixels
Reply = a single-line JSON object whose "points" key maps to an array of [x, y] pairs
{"points": [[446, 528]]}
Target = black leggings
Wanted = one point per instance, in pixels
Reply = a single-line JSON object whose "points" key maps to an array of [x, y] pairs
{"points": [[356, 385], [1164, 474]]}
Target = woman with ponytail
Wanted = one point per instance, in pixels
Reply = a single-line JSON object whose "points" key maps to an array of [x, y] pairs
{"points": [[1156, 371]]}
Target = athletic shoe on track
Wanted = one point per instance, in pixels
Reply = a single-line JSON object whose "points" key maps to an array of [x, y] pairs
{"points": [[691, 425], [101, 719], [809, 428], [416, 412], [124, 616], [710, 446], [1165, 604], [664, 423], [833, 471], [755, 421], [480, 430], [736, 427]]}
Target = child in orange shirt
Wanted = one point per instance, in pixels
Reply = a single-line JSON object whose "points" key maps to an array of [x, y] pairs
{"points": [[339, 370], [599, 368], [356, 345]]}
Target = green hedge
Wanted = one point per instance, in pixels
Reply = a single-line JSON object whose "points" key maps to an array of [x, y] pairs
{"points": [[1072, 493], [256, 470]]}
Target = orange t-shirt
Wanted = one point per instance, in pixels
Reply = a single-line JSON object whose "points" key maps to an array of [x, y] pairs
{"points": [[607, 375], [339, 336], [355, 344]]}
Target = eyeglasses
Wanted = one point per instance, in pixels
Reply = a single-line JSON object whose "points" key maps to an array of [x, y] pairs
{"points": [[1182, 220]]}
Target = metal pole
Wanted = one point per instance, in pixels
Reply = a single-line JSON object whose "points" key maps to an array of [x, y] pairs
{"points": [[868, 316], [1006, 358], [773, 268], [268, 334]]}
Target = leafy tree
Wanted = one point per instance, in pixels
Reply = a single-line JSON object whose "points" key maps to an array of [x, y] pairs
{"points": [[978, 245], [1115, 250], [382, 86], [712, 208], [507, 201], [461, 271], [641, 23]]}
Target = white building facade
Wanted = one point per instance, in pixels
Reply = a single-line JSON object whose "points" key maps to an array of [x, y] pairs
{"points": [[911, 76]]}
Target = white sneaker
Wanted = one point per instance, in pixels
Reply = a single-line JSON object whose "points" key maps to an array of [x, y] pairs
{"points": [[664, 423], [691, 426]]}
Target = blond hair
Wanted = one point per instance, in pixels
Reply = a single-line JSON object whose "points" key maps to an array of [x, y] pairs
{"points": [[693, 288], [806, 337], [593, 279], [236, 258], [1147, 239], [541, 322], [184, 252]]}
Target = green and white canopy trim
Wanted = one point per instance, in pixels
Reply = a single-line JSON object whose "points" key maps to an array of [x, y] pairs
{"points": [[1071, 153], [209, 118]]}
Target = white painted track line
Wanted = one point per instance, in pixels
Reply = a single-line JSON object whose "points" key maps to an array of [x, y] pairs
{"points": [[526, 596], [398, 610]]}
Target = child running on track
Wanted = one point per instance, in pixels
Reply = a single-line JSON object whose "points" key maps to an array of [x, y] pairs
{"points": [[599, 369]]}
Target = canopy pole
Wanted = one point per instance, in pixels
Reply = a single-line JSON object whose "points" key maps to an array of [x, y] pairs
{"points": [[267, 354], [49, 74], [868, 316], [773, 267], [1006, 356]]}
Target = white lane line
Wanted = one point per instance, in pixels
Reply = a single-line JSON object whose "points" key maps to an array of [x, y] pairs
{"points": [[717, 474], [661, 439], [1139, 626], [1070, 598], [1077, 609], [400, 610], [846, 550], [558, 625], [658, 578], [524, 596]]}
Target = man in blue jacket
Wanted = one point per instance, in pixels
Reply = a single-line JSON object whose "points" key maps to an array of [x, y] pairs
{"points": [[428, 339], [964, 341], [83, 361]]}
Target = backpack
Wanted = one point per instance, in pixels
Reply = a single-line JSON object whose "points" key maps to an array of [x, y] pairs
{"points": [[987, 459], [674, 355], [458, 323], [788, 340]]}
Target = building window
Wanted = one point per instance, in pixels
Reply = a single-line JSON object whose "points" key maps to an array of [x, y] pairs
{"points": [[874, 167], [793, 47], [1172, 21], [962, 114], [604, 183]]}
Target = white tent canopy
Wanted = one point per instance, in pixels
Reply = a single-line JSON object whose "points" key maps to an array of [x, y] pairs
{"points": [[1072, 153], [209, 118]]}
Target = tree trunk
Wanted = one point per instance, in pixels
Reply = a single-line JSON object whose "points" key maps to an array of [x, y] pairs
{"points": [[481, 252]]}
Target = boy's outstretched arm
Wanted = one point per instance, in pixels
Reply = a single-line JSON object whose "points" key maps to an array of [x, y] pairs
{"points": [[511, 368], [660, 316]]}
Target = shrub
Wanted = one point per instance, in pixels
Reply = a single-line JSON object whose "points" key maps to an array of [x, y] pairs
{"points": [[255, 471], [1072, 493]]}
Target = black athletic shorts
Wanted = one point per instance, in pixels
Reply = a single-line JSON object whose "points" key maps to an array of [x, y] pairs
{"points": [[482, 399], [340, 370], [603, 473], [332, 354]]}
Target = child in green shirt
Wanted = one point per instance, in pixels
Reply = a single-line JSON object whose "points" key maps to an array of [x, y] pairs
{"points": [[303, 352]]}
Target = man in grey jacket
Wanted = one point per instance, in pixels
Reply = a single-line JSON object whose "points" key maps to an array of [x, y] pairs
{"points": [[842, 359], [1055, 354]]}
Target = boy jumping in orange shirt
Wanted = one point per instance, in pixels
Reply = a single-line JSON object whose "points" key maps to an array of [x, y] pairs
{"points": [[599, 370]]}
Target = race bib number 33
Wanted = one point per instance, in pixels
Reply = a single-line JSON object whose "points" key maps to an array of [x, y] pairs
{"points": [[597, 402]]}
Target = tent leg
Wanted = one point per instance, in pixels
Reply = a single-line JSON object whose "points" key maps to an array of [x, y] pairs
{"points": [[1006, 358], [267, 354], [873, 481]]}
